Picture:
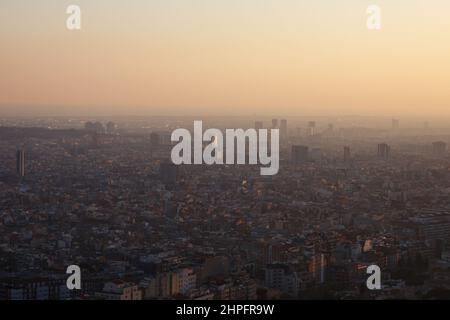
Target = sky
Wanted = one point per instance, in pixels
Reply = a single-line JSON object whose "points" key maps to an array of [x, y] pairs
{"points": [[225, 57]]}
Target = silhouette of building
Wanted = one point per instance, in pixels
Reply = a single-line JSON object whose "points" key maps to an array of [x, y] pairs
{"points": [[20, 163], [311, 128], [258, 125], [274, 123], [95, 139], [395, 124], [347, 153], [384, 151], [283, 129], [165, 138]]}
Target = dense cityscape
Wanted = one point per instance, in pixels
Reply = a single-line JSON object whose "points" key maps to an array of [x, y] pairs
{"points": [[102, 194]]}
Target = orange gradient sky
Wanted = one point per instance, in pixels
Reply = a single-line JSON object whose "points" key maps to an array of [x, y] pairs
{"points": [[183, 57]]}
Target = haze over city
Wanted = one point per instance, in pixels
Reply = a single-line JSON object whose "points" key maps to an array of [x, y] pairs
{"points": [[260, 150]]}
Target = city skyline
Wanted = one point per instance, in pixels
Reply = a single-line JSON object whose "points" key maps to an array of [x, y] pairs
{"points": [[103, 197]]}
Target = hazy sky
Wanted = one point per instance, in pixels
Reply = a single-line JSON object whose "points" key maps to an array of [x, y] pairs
{"points": [[280, 57]]}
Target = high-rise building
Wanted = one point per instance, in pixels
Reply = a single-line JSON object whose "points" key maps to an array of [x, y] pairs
{"points": [[165, 138], [347, 153], [395, 124], [384, 151], [433, 224], [283, 129], [299, 154], [274, 123], [20, 163], [439, 148], [258, 125], [311, 128], [281, 277]]}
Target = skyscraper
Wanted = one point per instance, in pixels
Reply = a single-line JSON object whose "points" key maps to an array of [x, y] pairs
{"points": [[395, 124], [299, 154], [311, 128], [258, 125], [384, 151], [283, 129], [21, 163], [274, 123], [347, 153]]}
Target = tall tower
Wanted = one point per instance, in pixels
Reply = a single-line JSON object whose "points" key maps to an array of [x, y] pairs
{"points": [[347, 153], [274, 123], [395, 124], [258, 125], [283, 129], [311, 128], [95, 139], [384, 151], [20, 163]]}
